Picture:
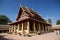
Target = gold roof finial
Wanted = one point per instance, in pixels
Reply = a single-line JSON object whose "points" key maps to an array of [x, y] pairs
{"points": [[20, 5]]}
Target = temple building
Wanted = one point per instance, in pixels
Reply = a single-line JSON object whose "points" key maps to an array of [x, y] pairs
{"points": [[56, 28], [28, 21], [4, 28]]}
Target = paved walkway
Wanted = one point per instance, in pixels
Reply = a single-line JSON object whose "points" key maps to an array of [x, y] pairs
{"points": [[47, 36]]}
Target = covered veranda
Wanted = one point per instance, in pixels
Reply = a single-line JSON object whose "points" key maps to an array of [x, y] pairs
{"points": [[29, 26]]}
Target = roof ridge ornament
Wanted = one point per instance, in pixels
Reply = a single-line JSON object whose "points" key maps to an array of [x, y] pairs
{"points": [[27, 9], [21, 7]]}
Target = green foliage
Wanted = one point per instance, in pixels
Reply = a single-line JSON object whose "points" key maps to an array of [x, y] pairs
{"points": [[50, 21], [4, 20], [58, 22], [45, 20]]}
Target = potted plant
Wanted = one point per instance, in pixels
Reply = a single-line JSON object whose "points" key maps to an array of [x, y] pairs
{"points": [[9, 32], [39, 33]]}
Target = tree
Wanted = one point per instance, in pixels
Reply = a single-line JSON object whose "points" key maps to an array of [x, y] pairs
{"points": [[45, 20], [50, 21], [4, 20], [58, 22]]}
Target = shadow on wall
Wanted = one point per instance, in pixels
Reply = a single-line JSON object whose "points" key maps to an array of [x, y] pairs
{"points": [[2, 37]]}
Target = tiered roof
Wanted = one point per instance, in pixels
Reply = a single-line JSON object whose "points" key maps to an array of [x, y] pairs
{"points": [[28, 14]]}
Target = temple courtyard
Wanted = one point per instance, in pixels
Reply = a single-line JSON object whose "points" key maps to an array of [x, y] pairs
{"points": [[46, 36]]}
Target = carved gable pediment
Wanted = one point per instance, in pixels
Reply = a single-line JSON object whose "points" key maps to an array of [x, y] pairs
{"points": [[22, 16], [22, 13]]}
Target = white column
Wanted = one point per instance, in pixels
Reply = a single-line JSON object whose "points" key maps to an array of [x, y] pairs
{"points": [[18, 27], [28, 27], [50, 28], [22, 28], [42, 28], [34, 27], [39, 27], [14, 27], [10, 28], [45, 28]]}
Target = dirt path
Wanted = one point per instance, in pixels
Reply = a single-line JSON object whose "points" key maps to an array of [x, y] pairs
{"points": [[47, 36]]}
